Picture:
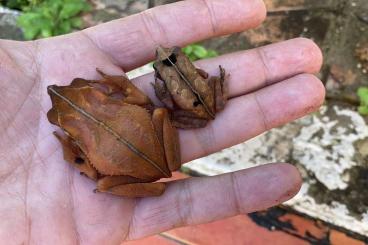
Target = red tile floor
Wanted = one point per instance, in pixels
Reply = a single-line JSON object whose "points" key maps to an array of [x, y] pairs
{"points": [[242, 230], [274, 226]]}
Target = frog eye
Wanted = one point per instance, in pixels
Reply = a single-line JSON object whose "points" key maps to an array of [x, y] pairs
{"points": [[170, 61], [79, 160], [196, 103]]}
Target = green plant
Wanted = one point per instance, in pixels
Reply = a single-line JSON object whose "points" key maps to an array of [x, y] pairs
{"points": [[363, 97], [19, 4], [196, 52], [52, 17]]}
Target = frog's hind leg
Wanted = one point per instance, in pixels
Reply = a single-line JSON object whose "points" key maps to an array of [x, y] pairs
{"points": [[168, 136], [130, 93], [74, 155], [186, 120], [129, 187]]}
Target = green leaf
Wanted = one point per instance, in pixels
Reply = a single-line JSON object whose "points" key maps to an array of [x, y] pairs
{"points": [[64, 27], [363, 91], [192, 57], [363, 95], [30, 23], [199, 51], [187, 50], [76, 22], [46, 32], [363, 110], [44, 18], [16, 4], [30, 34], [72, 8], [211, 53]]}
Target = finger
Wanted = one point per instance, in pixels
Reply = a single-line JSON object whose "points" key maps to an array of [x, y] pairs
{"points": [[256, 68], [259, 67], [132, 41], [200, 200], [249, 115]]}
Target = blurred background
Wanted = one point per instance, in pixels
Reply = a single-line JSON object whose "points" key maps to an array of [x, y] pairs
{"points": [[329, 147]]}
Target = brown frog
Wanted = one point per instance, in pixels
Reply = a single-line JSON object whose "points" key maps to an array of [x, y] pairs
{"points": [[114, 136], [191, 96]]}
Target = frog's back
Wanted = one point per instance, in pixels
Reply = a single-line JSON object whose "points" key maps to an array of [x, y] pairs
{"points": [[118, 138], [184, 83]]}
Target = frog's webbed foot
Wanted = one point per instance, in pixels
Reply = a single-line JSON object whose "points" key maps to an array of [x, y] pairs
{"points": [[129, 187], [220, 90], [74, 155], [120, 87], [168, 136], [185, 119]]}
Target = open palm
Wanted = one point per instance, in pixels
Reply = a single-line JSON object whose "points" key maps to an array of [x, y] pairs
{"points": [[45, 201]]}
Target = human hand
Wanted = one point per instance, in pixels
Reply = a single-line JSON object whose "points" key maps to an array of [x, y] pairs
{"points": [[45, 201]]}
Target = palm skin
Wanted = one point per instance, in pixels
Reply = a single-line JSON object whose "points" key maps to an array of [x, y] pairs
{"points": [[45, 201]]}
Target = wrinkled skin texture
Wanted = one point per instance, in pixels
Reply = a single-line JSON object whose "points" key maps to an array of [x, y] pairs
{"points": [[45, 201], [193, 97], [111, 136]]}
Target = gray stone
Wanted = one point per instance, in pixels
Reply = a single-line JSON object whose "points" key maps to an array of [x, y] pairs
{"points": [[121, 4], [107, 10], [124, 7], [161, 2], [8, 25]]}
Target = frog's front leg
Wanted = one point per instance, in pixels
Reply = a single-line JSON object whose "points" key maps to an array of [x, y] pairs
{"points": [[129, 187], [74, 155], [162, 93]]}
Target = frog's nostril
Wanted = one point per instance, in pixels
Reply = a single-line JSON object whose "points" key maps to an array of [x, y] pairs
{"points": [[79, 160]]}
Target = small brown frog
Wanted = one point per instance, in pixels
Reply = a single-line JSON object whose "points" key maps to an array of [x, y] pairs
{"points": [[186, 91], [114, 136]]}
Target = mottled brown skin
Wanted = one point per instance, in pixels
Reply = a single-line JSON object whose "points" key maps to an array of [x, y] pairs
{"points": [[113, 135], [191, 96]]}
